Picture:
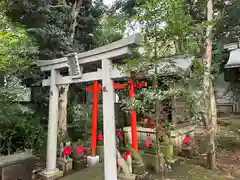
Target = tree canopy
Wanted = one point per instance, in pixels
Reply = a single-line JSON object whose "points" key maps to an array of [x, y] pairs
{"points": [[16, 48]]}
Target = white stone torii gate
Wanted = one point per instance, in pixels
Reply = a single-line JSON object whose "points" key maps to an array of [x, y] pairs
{"points": [[74, 62]]}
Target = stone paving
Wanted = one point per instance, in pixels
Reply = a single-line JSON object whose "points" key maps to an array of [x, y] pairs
{"points": [[93, 173], [183, 172]]}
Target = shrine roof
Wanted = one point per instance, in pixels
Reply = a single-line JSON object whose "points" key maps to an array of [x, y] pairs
{"points": [[174, 64], [234, 59]]}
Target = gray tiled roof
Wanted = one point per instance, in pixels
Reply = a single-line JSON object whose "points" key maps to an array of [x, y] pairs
{"points": [[173, 64], [234, 59]]}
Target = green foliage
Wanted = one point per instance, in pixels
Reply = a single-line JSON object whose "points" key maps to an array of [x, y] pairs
{"points": [[19, 129], [81, 121], [50, 24], [177, 27], [170, 37], [186, 25], [15, 46], [145, 100], [80, 116], [227, 27], [111, 29], [167, 26]]}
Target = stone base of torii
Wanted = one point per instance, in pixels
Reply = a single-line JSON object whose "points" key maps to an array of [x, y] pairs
{"points": [[75, 64]]}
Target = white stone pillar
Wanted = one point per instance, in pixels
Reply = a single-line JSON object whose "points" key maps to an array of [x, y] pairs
{"points": [[110, 168], [52, 124]]}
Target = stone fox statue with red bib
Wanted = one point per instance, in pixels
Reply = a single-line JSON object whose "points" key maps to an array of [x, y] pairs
{"points": [[124, 163]]}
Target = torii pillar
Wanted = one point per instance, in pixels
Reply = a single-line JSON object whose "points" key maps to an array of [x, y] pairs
{"points": [[51, 161], [110, 167]]}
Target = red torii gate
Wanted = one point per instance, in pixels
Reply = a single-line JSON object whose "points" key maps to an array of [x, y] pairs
{"points": [[133, 116]]}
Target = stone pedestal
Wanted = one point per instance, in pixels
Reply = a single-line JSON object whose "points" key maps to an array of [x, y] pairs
{"points": [[138, 168], [158, 163], [51, 175], [126, 177], [17, 166], [149, 151], [175, 162], [100, 152], [167, 150], [121, 142], [92, 161], [189, 151], [65, 165], [141, 176], [140, 171], [79, 164]]}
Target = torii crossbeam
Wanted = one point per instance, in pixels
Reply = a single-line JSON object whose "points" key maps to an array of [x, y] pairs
{"points": [[75, 65]]}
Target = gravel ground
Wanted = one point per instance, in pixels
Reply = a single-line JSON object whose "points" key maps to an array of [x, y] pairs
{"points": [[183, 172]]}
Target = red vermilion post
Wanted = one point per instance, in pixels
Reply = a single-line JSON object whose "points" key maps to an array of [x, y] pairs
{"points": [[94, 88], [133, 114], [94, 116], [133, 117]]}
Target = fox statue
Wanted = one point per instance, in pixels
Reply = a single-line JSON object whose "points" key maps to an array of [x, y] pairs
{"points": [[128, 158], [124, 165]]}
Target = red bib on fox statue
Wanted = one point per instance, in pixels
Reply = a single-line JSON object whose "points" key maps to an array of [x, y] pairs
{"points": [[119, 133], [67, 150], [100, 137], [80, 149], [127, 154], [148, 143], [187, 140]]}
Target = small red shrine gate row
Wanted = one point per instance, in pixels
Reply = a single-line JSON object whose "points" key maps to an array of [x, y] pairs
{"points": [[95, 88]]}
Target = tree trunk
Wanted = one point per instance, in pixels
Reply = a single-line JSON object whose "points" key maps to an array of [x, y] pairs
{"points": [[63, 96], [75, 12], [210, 103], [212, 135], [213, 105], [62, 115], [158, 109], [173, 108]]}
